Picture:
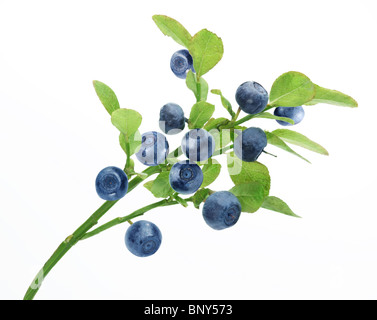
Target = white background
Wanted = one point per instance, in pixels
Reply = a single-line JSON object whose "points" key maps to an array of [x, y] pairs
{"points": [[55, 137]]}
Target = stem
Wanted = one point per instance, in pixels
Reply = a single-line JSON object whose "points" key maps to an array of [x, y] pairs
{"points": [[269, 153], [139, 212], [71, 240], [223, 150]]}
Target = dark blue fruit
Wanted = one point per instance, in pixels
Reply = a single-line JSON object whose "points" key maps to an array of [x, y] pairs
{"points": [[185, 177], [251, 97], [111, 184], [172, 119], [154, 149], [294, 113], [249, 145], [143, 238], [198, 145], [181, 62], [221, 210]]}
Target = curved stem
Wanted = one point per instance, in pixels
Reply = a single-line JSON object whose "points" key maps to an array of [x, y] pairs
{"points": [[75, 237], [139, 212]]}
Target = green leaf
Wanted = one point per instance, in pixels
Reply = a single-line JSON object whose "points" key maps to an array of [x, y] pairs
{"points": [[333, 97], [210, 172], [244, 172], [278, 205], [267, 115], [277, 142], [200, 89], [200, 113], [250, 195], [226, 104], [200, 196], [126, 121], [173, 28], [207, 50], [299, 140], [134, 141], [214, 122], [107, 96], [160, 187], [292, 89]]}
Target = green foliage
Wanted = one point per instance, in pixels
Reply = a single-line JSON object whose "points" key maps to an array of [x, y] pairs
{"points": [[292, 89], [126, 121], [199, 88], [333, 97], [207, 50], [226, 104], [200, 113], [267, 115], [173, 28], [107, 96], [211, 171], [160, 187], [299, 139], [278, 205], [200, 196], [251, 195], [134, 142]]}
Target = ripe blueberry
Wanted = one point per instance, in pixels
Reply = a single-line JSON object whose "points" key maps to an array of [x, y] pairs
{"points": [[249, 145], [172, 119], [221, 210], [154, 148], [181, 62], [251, 97], [111, 184], [294, 113], [198, 145], [143, 238], [185, 177]]}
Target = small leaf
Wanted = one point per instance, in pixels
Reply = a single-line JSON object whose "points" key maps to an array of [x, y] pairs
{"points": [[244, 172], [299, 140], [126, 121], [161, 186], [333, 97], [226, 104], [200, 196], [292, 89], [107, 96], [278, 205], [173, 28], [201, 112], [267, 115], [213, 123], [148, 185], [277, 142], [200, 89], [207, 50], [210, 172], [250, 195], [134, 141]]}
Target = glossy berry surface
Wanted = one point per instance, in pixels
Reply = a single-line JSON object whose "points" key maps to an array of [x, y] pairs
{"points": [[185, 177], [294, 113], [111, 184], [181, 62], [221, 210], [172, 119], [154, 148], [251, 97], [249, 145], [143, 238], [198, 145]]}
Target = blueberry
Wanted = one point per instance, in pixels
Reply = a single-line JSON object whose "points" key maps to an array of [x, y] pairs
{"points": [[221, 210], [143, 238], [198, 145], [185, 177], [251, 97], [181, 62], [249, 145], [111, 184], [294, 113], [154, 149], [172, 119]]}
